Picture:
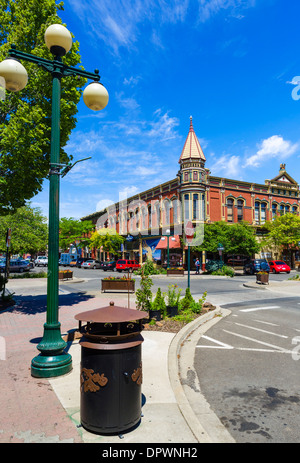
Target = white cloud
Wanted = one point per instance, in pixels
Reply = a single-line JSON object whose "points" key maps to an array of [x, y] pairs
{"points": [[227, 166], [209, 8], [272, 147], [119, 23], [103, 203]]}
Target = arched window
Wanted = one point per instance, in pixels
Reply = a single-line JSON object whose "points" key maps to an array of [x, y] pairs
{"points": [[157, 210], [274, 211], [195, 207], [263, 208], [260, 212], [240, 210], [230, 203], [176, 210], [294, 210], [186, 207], [257, 212], [166, 215]]}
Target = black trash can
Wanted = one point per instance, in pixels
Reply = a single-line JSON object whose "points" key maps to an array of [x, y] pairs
{"points": [[111, 369]]}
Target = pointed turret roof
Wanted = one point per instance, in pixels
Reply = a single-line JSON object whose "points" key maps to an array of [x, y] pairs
{"points": [[192, 148]]}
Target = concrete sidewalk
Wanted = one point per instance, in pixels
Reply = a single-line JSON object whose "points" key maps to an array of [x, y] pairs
{"points": [[48, 410], [288, 287]]}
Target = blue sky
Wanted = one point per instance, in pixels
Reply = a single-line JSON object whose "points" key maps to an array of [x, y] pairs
{"points": [[231, 64]]}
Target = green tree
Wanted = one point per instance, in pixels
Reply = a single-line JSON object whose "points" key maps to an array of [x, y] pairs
{"points": [[108, 239], [236, 238], [74, 232], [29, 232], [25, 116], [284, 233]]}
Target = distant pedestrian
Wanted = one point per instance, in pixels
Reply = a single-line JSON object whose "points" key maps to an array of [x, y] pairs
{"points": [[197, 263]]}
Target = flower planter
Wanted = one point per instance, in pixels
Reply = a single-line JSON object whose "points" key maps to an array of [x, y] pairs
{"points": [[172, 310], [175, 271], [262, 278], [65, 275], [118, 285], [155, 314]]}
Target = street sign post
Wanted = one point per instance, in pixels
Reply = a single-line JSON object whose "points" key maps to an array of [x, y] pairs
{"points": [[8, 235], [189, 234], [220, 248]]}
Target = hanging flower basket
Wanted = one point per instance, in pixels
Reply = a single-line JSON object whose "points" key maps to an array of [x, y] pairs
{"points": [[65, 275]]}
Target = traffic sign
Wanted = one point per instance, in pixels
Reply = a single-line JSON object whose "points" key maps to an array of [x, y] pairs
{"points": [[189, 232]]}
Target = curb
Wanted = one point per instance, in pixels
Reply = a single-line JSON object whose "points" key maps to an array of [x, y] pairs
{"points": [[202, 421]]}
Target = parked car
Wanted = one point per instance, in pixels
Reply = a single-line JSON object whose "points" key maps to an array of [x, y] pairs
{"points": [[124, 264], [256, 265], [41, 261], [80, 260], [277, 266], [15, 266], [30, 262], [90, 263], [111, 265]]}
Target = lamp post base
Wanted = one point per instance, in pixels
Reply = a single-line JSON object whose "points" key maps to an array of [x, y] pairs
{"points": [[52, 361], [45, 366]]}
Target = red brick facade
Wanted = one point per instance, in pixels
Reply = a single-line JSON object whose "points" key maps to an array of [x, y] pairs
{"points": [[196, 196]]}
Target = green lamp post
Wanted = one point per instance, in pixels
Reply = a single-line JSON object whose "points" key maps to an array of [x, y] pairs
{"points": [[52, 360]]}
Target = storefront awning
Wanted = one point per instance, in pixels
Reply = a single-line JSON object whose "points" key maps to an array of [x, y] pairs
{"points": [[174, 242]]}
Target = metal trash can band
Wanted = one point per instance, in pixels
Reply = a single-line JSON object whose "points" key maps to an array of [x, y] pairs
{"points": [[111, 369]]}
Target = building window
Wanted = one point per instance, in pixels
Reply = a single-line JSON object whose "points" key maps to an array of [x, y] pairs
{"points": [[230, 209], [186, 176], [260, 212], [294, 210], [167, 212], [263, 208], [195, 207], [287, 209], [274, 211], [186, 207], [240, 210], [195, 176], [281, 209]]}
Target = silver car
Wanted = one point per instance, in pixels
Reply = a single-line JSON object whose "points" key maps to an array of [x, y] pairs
{"points": [[16, 266], [90, 263]]}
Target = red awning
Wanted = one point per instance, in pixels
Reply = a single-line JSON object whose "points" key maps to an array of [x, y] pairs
{"points": [[174, 242]]}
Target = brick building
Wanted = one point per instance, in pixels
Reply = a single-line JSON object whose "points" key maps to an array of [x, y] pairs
{"points": [[154, 220]]}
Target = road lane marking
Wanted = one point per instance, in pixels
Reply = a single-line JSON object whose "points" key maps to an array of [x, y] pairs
{"points": [[221, 344], [262, 331], [266, 323], [260, 308], [255, 340]]}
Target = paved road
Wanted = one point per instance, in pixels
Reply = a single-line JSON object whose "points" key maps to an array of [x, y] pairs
{"points": [[248, 368]]}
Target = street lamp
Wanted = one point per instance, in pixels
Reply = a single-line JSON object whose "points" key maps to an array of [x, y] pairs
{"points": [[168, 231], [52, 360]]}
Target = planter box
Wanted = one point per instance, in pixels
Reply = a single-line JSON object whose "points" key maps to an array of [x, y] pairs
{"points": [[172, 310], [263, 279], [117, 285], [65, 275], [155, 315], [175, 271]]}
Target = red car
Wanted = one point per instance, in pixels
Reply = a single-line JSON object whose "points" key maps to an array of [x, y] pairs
{"points": [[124, 264], [277, 266]]}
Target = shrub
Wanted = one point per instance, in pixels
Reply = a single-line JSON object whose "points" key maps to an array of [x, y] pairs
{"points": [[159, 302], [187, 301], [144, 294], [224, 271]]}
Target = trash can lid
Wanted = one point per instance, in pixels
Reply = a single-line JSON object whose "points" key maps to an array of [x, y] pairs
{"points": [[111, 314]]}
